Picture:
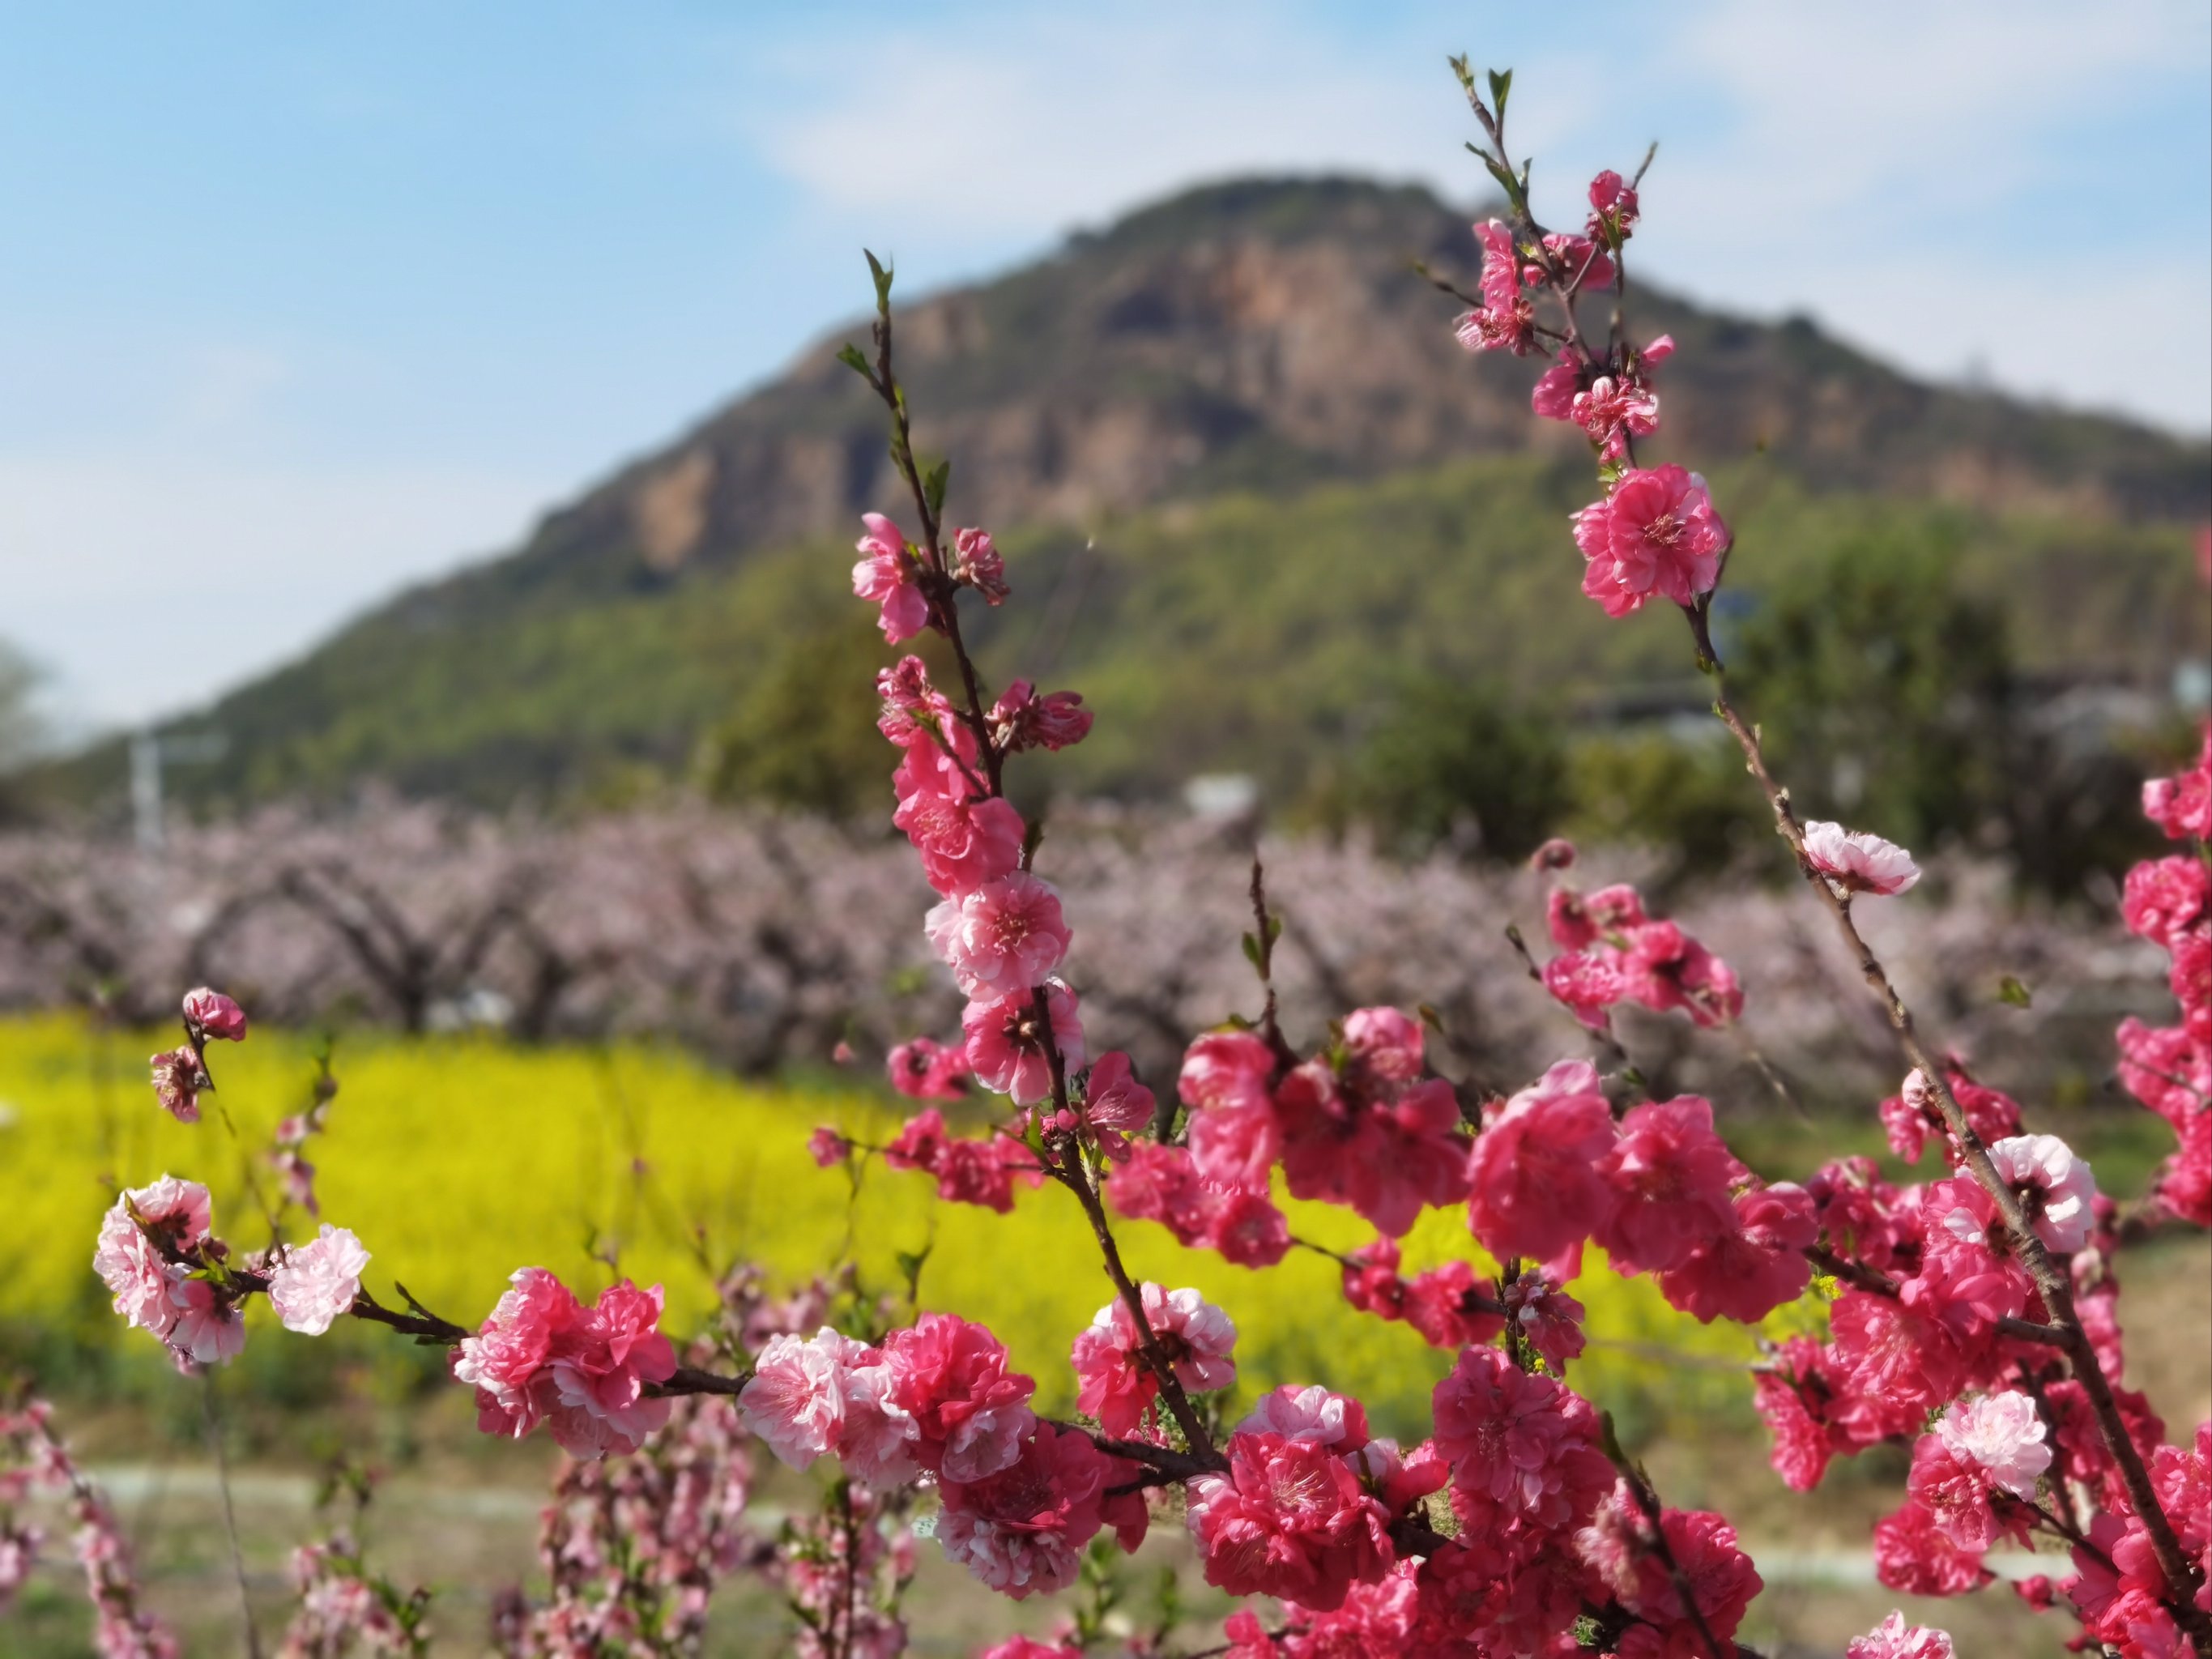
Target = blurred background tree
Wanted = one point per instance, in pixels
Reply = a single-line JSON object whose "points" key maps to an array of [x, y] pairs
{"points": [[21, 732], [804, 735], [1890, 696], [1880, 687], [1454, 761]]}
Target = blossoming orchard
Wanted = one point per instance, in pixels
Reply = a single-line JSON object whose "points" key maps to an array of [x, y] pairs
{"points": [[1972, 1318]]}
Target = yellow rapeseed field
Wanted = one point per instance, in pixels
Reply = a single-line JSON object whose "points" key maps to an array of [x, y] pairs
{"points": [[458, 1158]]}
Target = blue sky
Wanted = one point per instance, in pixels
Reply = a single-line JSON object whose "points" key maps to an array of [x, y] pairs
{"points": [[298, 303]]}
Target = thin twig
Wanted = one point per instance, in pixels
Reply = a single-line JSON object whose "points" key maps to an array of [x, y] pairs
{"points": [[230, 1514]]}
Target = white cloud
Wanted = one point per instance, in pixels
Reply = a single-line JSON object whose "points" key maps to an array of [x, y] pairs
{"points": [[147, 581], [1864, 163], [1028, 124], [1870, 171]]}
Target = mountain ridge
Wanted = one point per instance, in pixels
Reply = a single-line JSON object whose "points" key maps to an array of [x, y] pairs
{"points": [[1261, 335]]}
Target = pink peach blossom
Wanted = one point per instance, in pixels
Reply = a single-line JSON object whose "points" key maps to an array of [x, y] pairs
{"points": [[889, 576], [318, 1281], [1505, 320], [1311, 1414], [922, 1068], [1021, 1529], [2003, 1435], [1580, 263], [1115, 1104], [1859, 862], [1554, 396], [1588, 981], [795, 1400], [963, 842], [1614, 208], [2059, 1187], [1247, 1228], [1754, 1267], [1117, 1386], [1022, 719], [502, 1359], [2182, 804], [978, 563], [1386, 1155], [136, 1278], [970, 1411], [1915, 1557], [1655, 536], [1534, 1186], [1386, 1041], [1235, 1136], [208, 1328], [1289, 1519], [1449, 1308], [177, 1079], [1895, 1639], [2165, 897], [1000, 938], [1670, 1177], [1006, 1041], [1549, 1320], [1614, 411], [594, 1389], [1521, 1448], [215, 1015]]}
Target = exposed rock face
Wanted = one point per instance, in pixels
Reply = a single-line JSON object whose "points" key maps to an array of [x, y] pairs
{"points": [[1263, 335], [1271, 333]]}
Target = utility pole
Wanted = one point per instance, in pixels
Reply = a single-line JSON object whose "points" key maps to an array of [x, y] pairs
{"points": [[149, 752]]}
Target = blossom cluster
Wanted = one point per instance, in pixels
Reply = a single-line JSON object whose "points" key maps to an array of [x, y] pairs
{"points": [[2168, 901], [34, 1459], [1611, 952], [345, 1607], [583, 1372], [1971, 1315]]}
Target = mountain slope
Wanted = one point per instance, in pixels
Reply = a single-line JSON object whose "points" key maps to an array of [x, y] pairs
{"points": [[1266, 336]]}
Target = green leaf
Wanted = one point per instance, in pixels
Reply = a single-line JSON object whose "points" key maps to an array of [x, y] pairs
{"points": [[910, 1263], [2011, 990], [856, 359], [1274, 928], [1510, 184], [882, 273], [1251, 950], [1430, 1018], [1500, 85], [932, 486]]}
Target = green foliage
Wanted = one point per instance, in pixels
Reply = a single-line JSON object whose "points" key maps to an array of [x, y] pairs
{"points": [[804, 735], [1683, 792], [1455, 761], [1888, 684], [20, 729], [1879, 685], [1258, 633]]}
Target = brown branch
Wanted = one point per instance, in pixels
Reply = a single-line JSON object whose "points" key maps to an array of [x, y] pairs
{"points": [[943, 592], [1647, 1500], [689, 1379], [2065, 1330]]}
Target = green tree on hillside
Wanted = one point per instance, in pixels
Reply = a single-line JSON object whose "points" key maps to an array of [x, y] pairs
{"points": [[803, 734], [1454, 761], [1880, 685]]}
